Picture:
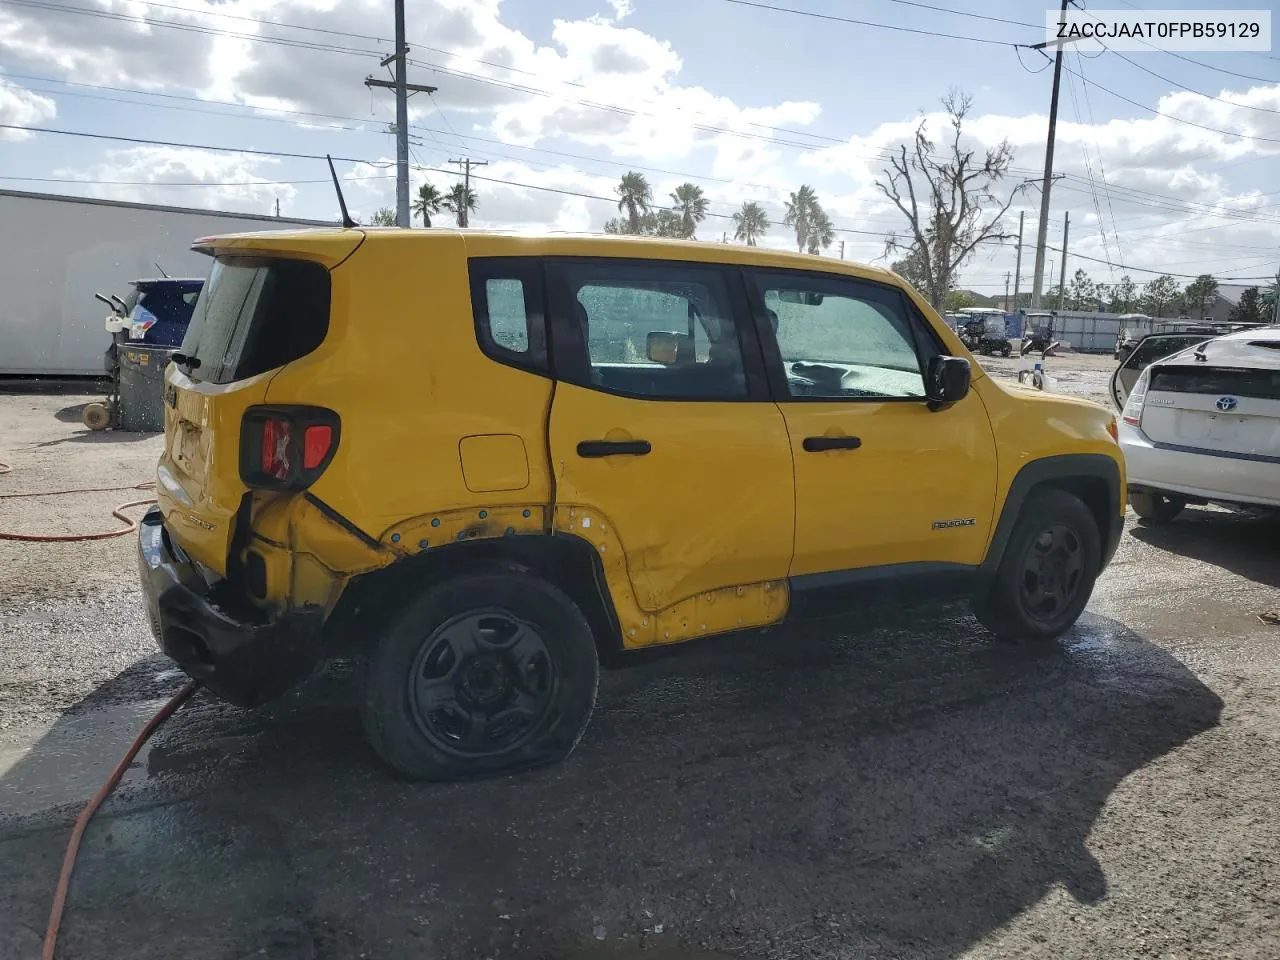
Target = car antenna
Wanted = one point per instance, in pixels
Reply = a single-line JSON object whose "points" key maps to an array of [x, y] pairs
{"points": [[347, 222], [161, 269]]}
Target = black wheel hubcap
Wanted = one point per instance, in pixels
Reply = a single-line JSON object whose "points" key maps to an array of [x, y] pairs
{"points": [[481, 683], [1052, 573]]}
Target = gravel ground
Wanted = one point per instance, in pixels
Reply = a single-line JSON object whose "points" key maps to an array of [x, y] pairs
{"points": [[894, 786]]}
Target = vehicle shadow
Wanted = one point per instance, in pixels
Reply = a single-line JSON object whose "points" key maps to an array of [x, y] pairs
{"points": [[1245, 545], [902, 788]]}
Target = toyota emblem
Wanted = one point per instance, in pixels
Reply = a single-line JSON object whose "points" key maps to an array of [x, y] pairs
{"points": [[1227, 404]]}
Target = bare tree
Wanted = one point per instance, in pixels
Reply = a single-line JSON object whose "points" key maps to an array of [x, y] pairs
{"points": [[945, 198]]}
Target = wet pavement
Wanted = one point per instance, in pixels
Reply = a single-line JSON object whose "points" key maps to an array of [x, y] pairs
{"points": [[896, 786], [891, 785]]}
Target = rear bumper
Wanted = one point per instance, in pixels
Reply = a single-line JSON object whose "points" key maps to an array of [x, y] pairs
{"points": [[242, 654], [1203, 476]]}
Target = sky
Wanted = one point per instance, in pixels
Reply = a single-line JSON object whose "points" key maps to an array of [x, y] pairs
{"points": [[1166, 162]]}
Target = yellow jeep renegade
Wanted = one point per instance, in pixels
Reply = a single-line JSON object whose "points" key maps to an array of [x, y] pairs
{"points": [[492, 461]]}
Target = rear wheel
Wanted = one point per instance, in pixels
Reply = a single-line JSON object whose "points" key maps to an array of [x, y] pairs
{"points": [[1047, 572], [483, 675], [1154, 506]]}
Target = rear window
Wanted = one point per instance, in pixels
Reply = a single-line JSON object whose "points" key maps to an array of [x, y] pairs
{"points": [[256, 314], [1218, 381]]}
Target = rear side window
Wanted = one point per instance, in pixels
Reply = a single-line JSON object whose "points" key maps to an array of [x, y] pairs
{"points": [[650, 329], [256, 314], [506, 300]]}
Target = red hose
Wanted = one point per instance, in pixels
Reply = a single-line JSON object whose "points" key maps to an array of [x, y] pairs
{"points": [[130, 525], [77, 832]]}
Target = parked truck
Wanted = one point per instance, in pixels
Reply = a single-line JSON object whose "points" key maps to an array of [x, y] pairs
{"points": [[60, 251]]}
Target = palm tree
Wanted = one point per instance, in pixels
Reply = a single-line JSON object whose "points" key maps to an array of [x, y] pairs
{"points": [[750, 222], [427, 202], [800, 210], [691, 206], [460, 201], [635, 196], [821, 233]]}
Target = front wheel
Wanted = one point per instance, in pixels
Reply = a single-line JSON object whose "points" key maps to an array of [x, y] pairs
{"points": [[1154, 506], [1046, 574], [483, 675]]}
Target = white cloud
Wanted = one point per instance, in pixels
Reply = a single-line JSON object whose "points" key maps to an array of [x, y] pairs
{"points": [[181, 177], [23, 108], [621, 9]]}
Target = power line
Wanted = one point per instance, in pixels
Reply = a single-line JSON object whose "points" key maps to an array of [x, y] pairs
{"points": [[1088, 169], [194, 28], [1198, 93], [1102, 170], [361, 120], [322, 47], [1132, 269], [966, 13], [191, 183], [871, 23], [1161, 113], [309, 156]]}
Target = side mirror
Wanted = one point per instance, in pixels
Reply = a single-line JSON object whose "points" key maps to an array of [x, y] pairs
{"points": [[669, 348], [947, 381]]}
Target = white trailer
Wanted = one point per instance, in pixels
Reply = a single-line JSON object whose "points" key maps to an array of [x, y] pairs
{"points": [[57, 252]]}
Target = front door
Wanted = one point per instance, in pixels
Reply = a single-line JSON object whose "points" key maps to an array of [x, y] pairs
{"points": [[880, 478], [661, 426]]}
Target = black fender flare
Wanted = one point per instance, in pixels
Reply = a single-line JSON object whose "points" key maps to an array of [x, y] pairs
{"points": [[1060, 471]]}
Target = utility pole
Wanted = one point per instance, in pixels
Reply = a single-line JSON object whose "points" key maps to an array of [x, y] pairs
{"points": [[841, 249], [402, 87], [277, 207], [1062, 277], [1017, 270], [1006, 291], [1038, 281], [467, 163]]}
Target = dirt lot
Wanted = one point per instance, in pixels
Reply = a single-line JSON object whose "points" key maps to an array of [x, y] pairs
{"points": [[887, 787]]}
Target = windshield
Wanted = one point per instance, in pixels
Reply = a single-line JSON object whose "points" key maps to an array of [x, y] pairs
{"points": [[255, 314]]}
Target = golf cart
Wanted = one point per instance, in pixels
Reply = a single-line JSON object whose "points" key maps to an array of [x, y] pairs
{"points": [[985, 332], [1037, 333]]}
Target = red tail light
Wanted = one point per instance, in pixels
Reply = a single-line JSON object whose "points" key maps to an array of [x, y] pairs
{"points": [[276, 436], [317, 439], [286, 448]]}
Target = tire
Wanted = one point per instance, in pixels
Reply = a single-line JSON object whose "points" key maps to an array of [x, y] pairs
{"points": [[1006, 350], [1046, 573], [483, 675], [1155, 507], [96, 416]]}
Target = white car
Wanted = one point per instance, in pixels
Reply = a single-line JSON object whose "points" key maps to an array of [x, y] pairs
{"points": [[1202, 424]]}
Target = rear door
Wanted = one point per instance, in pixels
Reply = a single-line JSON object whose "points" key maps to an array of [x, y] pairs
{"points": [[683, 454], [1231, 410], [255, 314], [1149, 349]]}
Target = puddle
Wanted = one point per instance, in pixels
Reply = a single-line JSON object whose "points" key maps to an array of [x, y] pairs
{"points": [[634, 951], [68, 760]]}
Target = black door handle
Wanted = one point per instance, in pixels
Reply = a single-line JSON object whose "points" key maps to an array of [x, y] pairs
{"points": [[818, 444], [613, 448]]}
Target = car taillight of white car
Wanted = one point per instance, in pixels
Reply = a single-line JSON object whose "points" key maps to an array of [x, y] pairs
{"points": [[1132, 413]]}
